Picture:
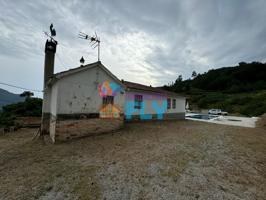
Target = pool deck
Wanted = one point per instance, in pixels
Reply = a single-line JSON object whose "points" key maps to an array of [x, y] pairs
{"points": [[228, 120]]}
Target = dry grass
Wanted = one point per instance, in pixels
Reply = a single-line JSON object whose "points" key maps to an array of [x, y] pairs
{"points": [[151, 160]]}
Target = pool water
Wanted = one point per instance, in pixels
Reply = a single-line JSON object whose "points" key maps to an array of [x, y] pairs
{"points": [[202, 116], [234, 120]]}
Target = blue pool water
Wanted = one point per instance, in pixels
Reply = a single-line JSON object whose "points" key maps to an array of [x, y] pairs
{"points": [[202, 116]]}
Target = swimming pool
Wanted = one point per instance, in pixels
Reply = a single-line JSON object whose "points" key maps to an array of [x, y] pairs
{"points": [[226, 120], [202, 116]]}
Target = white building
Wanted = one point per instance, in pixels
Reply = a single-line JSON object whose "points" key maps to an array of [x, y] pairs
{"points": [[92, 91]]}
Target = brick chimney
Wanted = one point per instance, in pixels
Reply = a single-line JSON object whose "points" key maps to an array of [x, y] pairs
{"points": [[50, 50]]}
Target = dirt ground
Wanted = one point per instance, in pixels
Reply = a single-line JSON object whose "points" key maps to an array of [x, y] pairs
{"points": [[150, 160], [262, 121]]}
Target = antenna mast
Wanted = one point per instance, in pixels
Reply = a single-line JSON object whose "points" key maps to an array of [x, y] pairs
{"points": [[94, 41]]}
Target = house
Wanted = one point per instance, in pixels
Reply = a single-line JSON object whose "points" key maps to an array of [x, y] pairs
{"points": [[146, 102], [89, 98]]}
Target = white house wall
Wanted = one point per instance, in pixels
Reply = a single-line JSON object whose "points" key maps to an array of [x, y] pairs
{"points": [[53, 111], [148, 98], [180, 105], [78, 93], [53, 104]]}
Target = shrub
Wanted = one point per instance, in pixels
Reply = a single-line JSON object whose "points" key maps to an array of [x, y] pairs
{"points": [[30, 107]]}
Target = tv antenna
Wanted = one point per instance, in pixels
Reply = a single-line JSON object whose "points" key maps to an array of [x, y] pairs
{"points": [[94, 41], [52, 33]]}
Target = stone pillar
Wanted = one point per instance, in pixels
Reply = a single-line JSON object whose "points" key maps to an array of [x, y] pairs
{"points": [[50, 50]]}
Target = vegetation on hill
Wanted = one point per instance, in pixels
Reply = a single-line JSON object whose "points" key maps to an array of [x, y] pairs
{"points": [[239, 90], [30, 107]]}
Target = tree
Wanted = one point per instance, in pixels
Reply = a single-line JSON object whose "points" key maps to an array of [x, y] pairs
{"points": [[27, 94], [194, 74], [179, 79], [242, 63]]}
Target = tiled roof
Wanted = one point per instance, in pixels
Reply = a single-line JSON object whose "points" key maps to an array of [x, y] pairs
{"points": [[67, 72], [130, 85], [137, 86], [60, 75]]}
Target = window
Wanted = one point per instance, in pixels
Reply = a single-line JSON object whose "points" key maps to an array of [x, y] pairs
{"points": [[174, 103], [138, 101], [168, 103], [108, 100]]}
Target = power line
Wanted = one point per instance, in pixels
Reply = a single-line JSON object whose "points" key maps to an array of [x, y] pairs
{"points": [[61, 61], [18, 87]]}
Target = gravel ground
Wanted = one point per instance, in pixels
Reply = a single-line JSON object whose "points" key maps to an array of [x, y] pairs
{"points": [[145, 160]]}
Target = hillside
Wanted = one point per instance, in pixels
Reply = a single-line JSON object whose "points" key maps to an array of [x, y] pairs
{"points": [[8, 98], [239, 90]]}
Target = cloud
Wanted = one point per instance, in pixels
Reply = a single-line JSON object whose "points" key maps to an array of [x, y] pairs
{"points": [[150, 42]]}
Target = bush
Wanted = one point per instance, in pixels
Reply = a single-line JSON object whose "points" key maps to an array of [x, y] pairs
{"points": [[207, 100], [240, 100], [6, 120], [249, 104], [30, 107], [254, 109]]}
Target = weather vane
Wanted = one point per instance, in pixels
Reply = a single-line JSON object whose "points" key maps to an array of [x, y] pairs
{"points": [[94, 41], [52, 33]]}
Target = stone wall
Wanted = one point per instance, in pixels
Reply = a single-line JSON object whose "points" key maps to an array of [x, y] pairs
{"points": [[166, 116], [69, 129]]}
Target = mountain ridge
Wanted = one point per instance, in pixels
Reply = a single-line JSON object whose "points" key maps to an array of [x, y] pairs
{"points": [[7, 97]]}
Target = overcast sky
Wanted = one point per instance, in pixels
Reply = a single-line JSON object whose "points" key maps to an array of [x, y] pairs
{"points": [[145, 41]]}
